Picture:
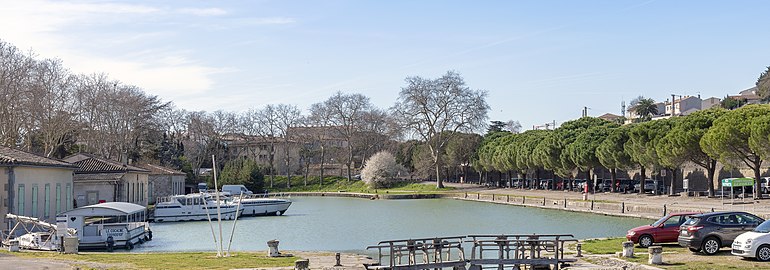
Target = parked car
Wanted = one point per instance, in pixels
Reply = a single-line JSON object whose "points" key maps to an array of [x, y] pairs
{"points": [[754, 244], [665, 230], [763, 184], [711, 231], [649, 186], [604, 185]]}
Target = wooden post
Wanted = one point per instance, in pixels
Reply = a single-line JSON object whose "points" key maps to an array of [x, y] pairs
{"points": [[622, 207], [543, 201], [592, 204], [523, 199], [507, 198], [493, 197], [478, 196], [565, 202]]}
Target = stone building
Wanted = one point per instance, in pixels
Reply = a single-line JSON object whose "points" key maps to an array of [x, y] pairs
{"points": [[163, 181], [102, 180]]}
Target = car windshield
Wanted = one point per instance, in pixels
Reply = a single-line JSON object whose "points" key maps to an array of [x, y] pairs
{"points": [[763, 228], [660, 221]]}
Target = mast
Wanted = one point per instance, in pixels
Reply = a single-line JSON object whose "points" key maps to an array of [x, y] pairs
{"points": [[219, 211]]}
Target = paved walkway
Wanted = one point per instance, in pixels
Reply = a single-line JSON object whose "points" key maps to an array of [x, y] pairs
{"points": [[648, 205]]}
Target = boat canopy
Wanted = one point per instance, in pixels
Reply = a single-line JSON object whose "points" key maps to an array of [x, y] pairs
{"points": [[106, 209]]}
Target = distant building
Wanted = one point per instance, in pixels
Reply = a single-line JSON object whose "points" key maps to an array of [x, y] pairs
{"points": [[102, 180], [163, 182], [34, 185], [611, 117], [749, 96], [684, 105], [710, 103]]}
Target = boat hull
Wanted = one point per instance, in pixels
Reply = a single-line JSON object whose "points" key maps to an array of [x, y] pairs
{"points": [[264, 207]]}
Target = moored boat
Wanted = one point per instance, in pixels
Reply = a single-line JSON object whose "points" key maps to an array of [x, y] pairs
{"points": [[257, 206], [192, 207]]}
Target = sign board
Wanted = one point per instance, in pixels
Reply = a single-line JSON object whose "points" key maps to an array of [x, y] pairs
{"points": [[738, 182], [686, 183]]}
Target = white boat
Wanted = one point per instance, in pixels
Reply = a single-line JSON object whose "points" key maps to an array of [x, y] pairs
{"points": [[38, 234], [191, 207], [255, 206], [107, 225]]}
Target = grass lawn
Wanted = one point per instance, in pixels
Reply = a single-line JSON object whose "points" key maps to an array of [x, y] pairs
{"points": [[336, 184], [675, 257], [162, 260]]}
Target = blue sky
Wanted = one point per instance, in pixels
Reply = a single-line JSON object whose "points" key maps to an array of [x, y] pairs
{"points": [[539, 60]]}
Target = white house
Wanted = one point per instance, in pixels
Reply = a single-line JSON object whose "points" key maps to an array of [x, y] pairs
{"points": [[34, 186]]}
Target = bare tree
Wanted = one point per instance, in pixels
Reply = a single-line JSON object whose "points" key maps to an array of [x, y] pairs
{"points": [[288, 117], [347, 116], [320, 120], [428, 108], [268, 130]]}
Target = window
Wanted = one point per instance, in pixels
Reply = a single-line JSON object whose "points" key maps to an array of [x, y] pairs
{"points": [[58, 198], [68, 202], [47, 201], [34, 201], [141, 192], [20, 200]]}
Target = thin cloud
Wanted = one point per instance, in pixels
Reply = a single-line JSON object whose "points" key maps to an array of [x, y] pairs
{"points": [[202, 11], [265, 21]]}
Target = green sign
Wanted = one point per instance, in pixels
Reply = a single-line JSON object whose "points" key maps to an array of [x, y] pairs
{"points": [[738, 182]]}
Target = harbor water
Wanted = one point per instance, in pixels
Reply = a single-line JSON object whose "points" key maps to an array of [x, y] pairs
{"points": [[349, 225]]}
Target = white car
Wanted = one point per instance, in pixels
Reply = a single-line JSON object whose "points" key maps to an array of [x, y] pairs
{"points": [[754, 244]]}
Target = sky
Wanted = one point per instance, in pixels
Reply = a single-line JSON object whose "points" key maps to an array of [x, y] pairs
{"points": [[539, 61]]}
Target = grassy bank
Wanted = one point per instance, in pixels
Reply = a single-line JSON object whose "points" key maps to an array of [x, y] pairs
{"points": [[162, 260], [674, 256], [337, 184]]}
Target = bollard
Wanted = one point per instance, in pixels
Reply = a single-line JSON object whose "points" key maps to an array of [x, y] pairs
{"points": [[507, 198], [543, 201], [565, 202], [622, 207], [523, 199], [592, 204], [466, 195], [493, 197], [656, 255], [664, 210], [337, 257], [273, 248], [579, 249], [628, 249], [478, 196], [302, 264]]}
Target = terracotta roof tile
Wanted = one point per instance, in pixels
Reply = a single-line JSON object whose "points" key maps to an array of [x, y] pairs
{"points": [[88, 163], [11, 156]]}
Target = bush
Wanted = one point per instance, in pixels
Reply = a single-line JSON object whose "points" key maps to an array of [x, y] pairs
{"points": [[381, 170]]}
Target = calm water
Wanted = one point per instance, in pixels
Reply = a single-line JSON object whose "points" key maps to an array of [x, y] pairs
{"points": [[346, 224]]}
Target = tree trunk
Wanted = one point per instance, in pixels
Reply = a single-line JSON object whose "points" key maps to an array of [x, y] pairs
{"points": [[672, 186], [757, 176], [614, 176], [643, 175], [323, 158], [523, 179], [350, 162], [711, 172], [307, 170], [272, 164]]}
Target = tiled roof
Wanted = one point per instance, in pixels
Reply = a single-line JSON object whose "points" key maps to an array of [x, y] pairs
{"points": [[11, 156], [88, 163], [157, 169]]}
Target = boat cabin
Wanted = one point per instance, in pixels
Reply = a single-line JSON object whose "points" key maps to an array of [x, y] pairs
{"points": [[108, 225]]}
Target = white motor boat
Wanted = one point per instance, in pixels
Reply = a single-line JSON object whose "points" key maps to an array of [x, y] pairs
{"points": [[196, 206], [256, 206]]}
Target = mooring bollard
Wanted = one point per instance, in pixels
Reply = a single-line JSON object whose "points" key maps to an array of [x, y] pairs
{"points": [[523, 199], [579, 249], [565, 202], [592, 204], [493, 197], [664, 210], [656, 255], [543, 201], [478, 196], [507, 198], [337, 257], [622, 207], [628, 249], [302, 264], [273, 248]]}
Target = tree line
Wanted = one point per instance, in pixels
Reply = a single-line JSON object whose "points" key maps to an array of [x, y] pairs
{"points": [[736, 138], [47, 109]]}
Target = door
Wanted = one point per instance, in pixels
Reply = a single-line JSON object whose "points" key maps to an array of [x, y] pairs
{"points": [[92, 197], [670, 230]]}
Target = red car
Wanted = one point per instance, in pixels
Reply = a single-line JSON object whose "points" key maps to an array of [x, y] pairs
{"points": [[665, 230]]}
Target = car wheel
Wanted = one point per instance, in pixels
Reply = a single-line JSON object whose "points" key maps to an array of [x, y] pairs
{"points": [[710, 246], [763, 253], [694, 249], [645, 241]]}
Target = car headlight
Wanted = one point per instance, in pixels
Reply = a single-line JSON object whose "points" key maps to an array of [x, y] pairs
{"points": [[631, 232], [748, 241]]}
